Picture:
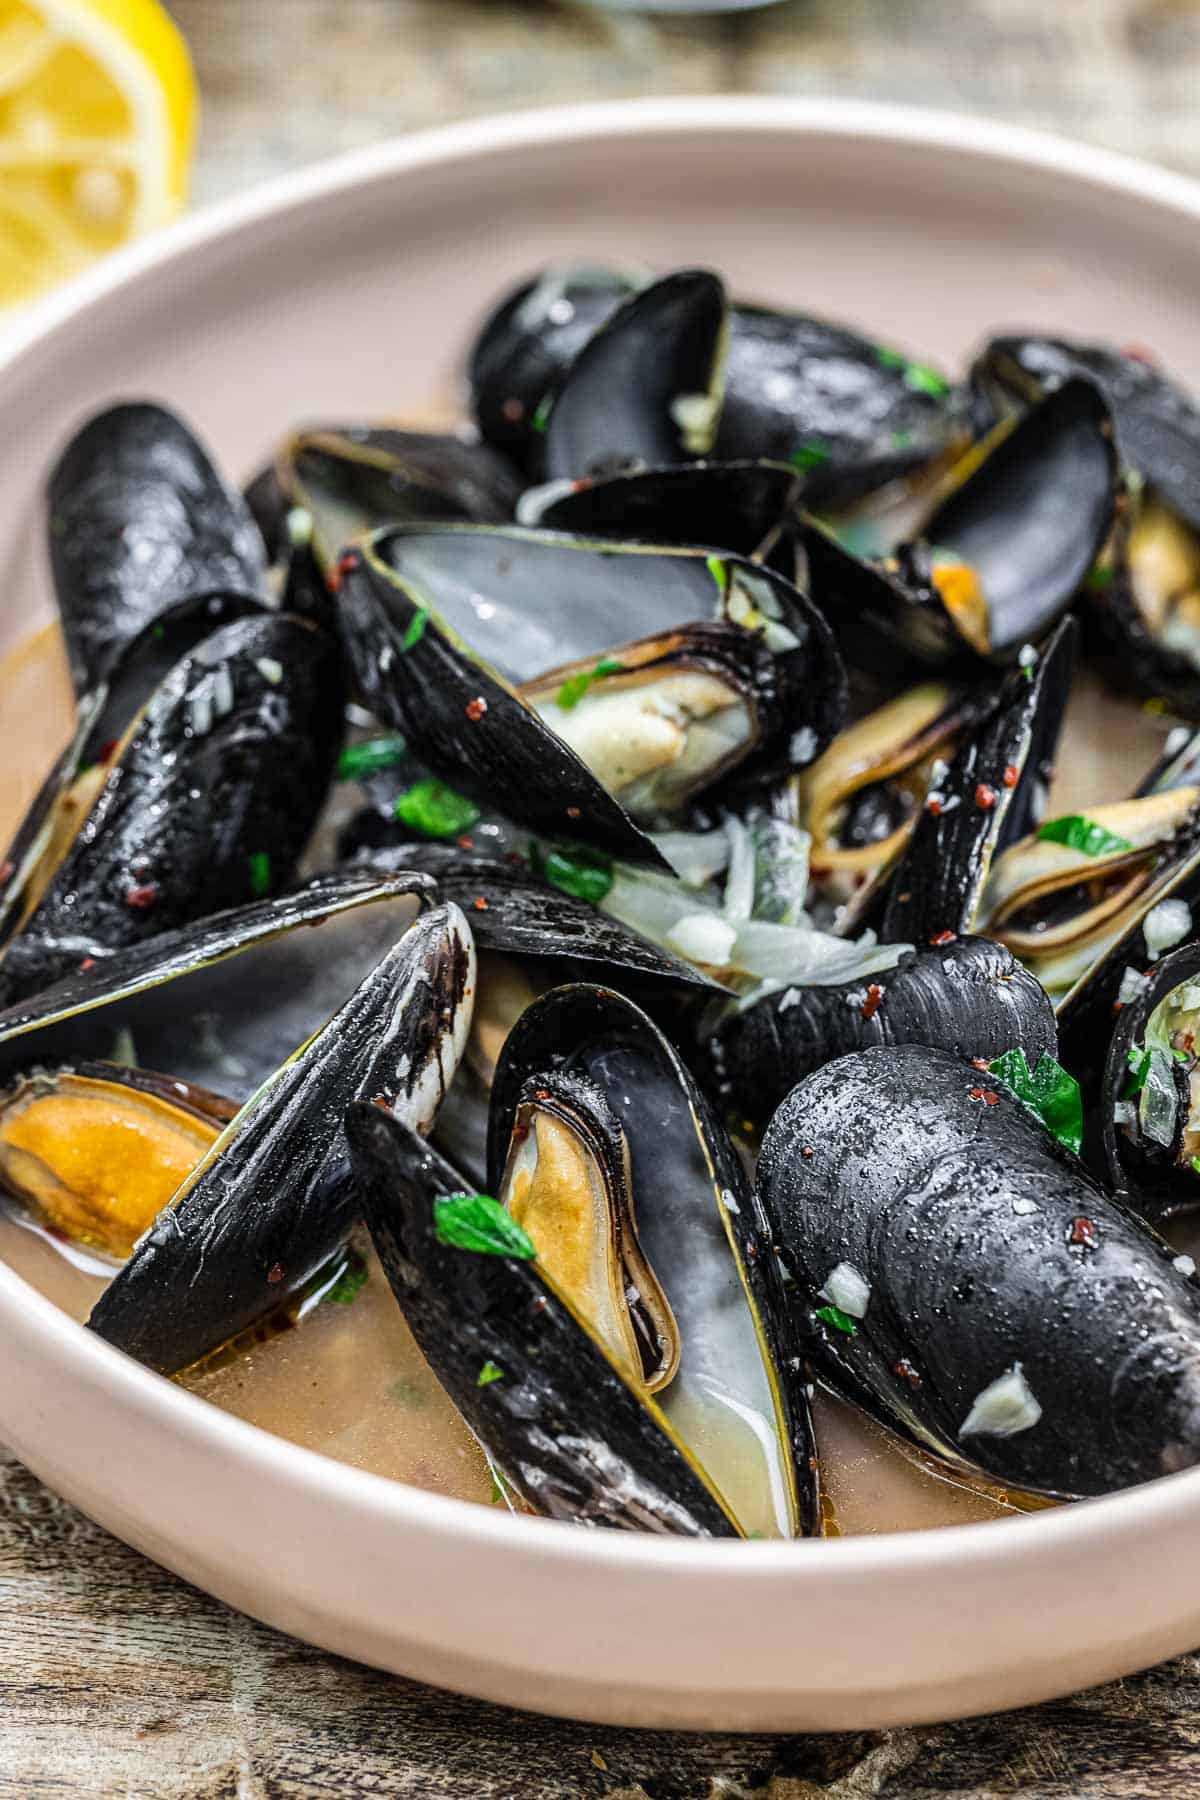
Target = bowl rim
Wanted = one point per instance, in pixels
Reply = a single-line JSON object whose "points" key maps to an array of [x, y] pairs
{"points": [[1129, 1514]]}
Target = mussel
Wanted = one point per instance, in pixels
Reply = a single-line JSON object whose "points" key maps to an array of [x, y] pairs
{"points": [[273, 1198], [207, 802], [1002, 554], [992, 793], [970, 997], [139, 521], [1061, 898], [964, 1280], [1142, 600], [646, 389], [504, 657], [1150, 1104], [353, 479], [567, 1431]]}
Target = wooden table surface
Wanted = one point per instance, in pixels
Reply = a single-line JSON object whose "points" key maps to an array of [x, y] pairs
{"points": [[116, 1679]]}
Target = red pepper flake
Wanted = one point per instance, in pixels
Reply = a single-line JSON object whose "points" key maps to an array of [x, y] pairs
{"points": [[905, 897], [541, 1093], [906, 1372], [986, 1095], [89, 962], [275, 1273], [870, 1005], [381, 1101], [479, 903], [142, 896], [512, 411], [942, 937], [813, 1465], [807, 1150], [520, 1133], [1083, 1232], [985, 797], [980, 1062], [1139, 353], [104, 753], [538, 1304], [573, 812], [1010, 775], [935, 807], [466, 843], [476, 708], [7, 869]]}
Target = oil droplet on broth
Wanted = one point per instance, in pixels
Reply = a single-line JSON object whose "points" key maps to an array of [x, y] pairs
{"points": [[349, 1381]]}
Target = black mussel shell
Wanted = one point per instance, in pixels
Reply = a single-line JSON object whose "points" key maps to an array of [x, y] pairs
{"points": [[970, 997], [140, 520], [738, 506], [992, 794], [699, 1231], [996, 1307], [1178, 766], [269, 507], [355, 479], [1000, 557], [572, 1438], [274, 1198], [646, 388], [222, 1003], [1150, 1136], [443, 623], [850, 413], [527, 344], [209, 803], [1157, 424], [522, 916]]}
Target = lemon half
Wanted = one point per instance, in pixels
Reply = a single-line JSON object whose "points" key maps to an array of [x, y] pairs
{"points": [[97, 113]]}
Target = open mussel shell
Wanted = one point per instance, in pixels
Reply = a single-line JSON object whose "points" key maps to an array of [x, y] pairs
{"points": [[736, 505], [224, 1002], [697, 1230], [573, 1438], [208, 802], [273, 1198], [1142, 601], [527, 344], [449, 627], [646, 388], [513, 913], [353, 480], [139, 521], [965, 1281], [861, 799], [850, 413], [969, 997], [1001, 556], [1150, 1100], [1060, 908], [993, 792], [92, 1151]]}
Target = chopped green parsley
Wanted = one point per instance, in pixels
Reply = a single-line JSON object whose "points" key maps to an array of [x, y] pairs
{"points": [[370, 757], [477, 1222], [1048, 1091], [416, 629], [837, 1319], [1081, 834], [435, 810], [584, 874], [576, 686], [490, 1372], [260, 873]]}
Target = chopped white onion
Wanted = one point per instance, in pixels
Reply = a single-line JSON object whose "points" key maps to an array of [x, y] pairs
{"points": [[696, 417], [739, 883], [535, 500], [1185, 1265], [848, 1290], [695, 856], [1003, 1408], [1023, 1207], [1165, 924], [1131, 986], [1158, 1103], [703, 938]]}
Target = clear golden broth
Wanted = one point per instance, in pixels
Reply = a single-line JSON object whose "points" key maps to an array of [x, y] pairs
{"points": [[350, 1381]]}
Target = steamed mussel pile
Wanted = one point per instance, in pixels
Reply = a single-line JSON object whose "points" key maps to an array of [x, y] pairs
{"points": [[611, 853]]}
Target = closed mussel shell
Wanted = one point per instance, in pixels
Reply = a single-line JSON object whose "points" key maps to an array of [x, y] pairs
{"points": [[567, 1431], [139, 521], [273, 1199], [736, 506], [969, 997], [209, 801], [964, 1280]]}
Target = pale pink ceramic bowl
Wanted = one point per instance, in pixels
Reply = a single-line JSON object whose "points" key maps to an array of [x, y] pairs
{"points": [[352, 289]]}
